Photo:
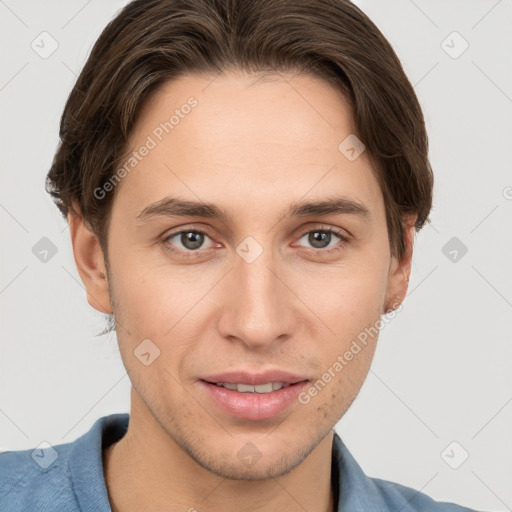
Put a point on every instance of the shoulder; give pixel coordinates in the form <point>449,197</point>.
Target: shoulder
<point>65,477</point>
<point>357,491</point>
<point>412,500</point>
<point>36,479</point>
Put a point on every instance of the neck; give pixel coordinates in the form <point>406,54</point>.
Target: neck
<point>148,470</point>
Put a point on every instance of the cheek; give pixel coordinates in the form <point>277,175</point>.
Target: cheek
<point>348,298</point>
<point>150,299</point>
<point>345,365</point>
<point>350,308</point>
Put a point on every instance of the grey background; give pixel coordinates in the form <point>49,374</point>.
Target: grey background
<point>443,367</point>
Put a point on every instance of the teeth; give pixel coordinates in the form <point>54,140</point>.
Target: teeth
<point>260,388</point>
<point>244,388</point>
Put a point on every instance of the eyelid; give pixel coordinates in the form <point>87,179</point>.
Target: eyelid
<point>306,229</point>
<point>344,234</point>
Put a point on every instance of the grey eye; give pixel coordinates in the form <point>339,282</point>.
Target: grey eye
<point>190,240</point>
<point>319,238</point>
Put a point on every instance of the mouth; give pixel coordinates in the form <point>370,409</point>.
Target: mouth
<point>268,387</point>
<point>253,402</point>
<point>243,378</point>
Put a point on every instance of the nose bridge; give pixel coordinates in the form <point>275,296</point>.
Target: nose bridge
<point>260,306</point>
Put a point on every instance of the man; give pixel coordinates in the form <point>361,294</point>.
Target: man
<point>242,181</point>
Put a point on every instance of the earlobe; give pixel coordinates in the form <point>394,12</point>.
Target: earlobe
<point>90,263</point>
<point>400,269</point>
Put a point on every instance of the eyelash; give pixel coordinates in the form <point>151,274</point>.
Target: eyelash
<point>344,239</point>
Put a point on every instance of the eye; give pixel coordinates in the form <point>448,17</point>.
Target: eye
<point>321,238</point>
<point>187,240</point>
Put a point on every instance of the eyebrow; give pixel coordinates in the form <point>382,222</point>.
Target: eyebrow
<point>176,207</point>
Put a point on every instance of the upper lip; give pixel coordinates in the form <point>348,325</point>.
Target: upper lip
<point>254,379</point>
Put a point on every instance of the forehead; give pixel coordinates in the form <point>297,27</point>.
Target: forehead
<point>238,142</point>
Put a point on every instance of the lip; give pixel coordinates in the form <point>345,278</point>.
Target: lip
<point>253,406</point>
<point>244,377</point>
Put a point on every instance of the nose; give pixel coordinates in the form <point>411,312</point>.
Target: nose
<point>259,308</point>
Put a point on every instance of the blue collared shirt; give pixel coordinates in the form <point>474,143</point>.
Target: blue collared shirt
<point>69,478</point>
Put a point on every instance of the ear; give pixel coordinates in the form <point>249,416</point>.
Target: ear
<point>90,262</point>
<point>400,269</point>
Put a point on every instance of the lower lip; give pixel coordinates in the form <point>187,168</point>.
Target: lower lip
<point>253,406</point>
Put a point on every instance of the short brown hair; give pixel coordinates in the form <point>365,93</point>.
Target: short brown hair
<point>152,41</point>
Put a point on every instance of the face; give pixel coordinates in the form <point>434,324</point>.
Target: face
<point>264,287</point>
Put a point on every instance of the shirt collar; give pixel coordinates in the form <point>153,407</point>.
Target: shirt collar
<point>357,492</point>
<point>85,461</point>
